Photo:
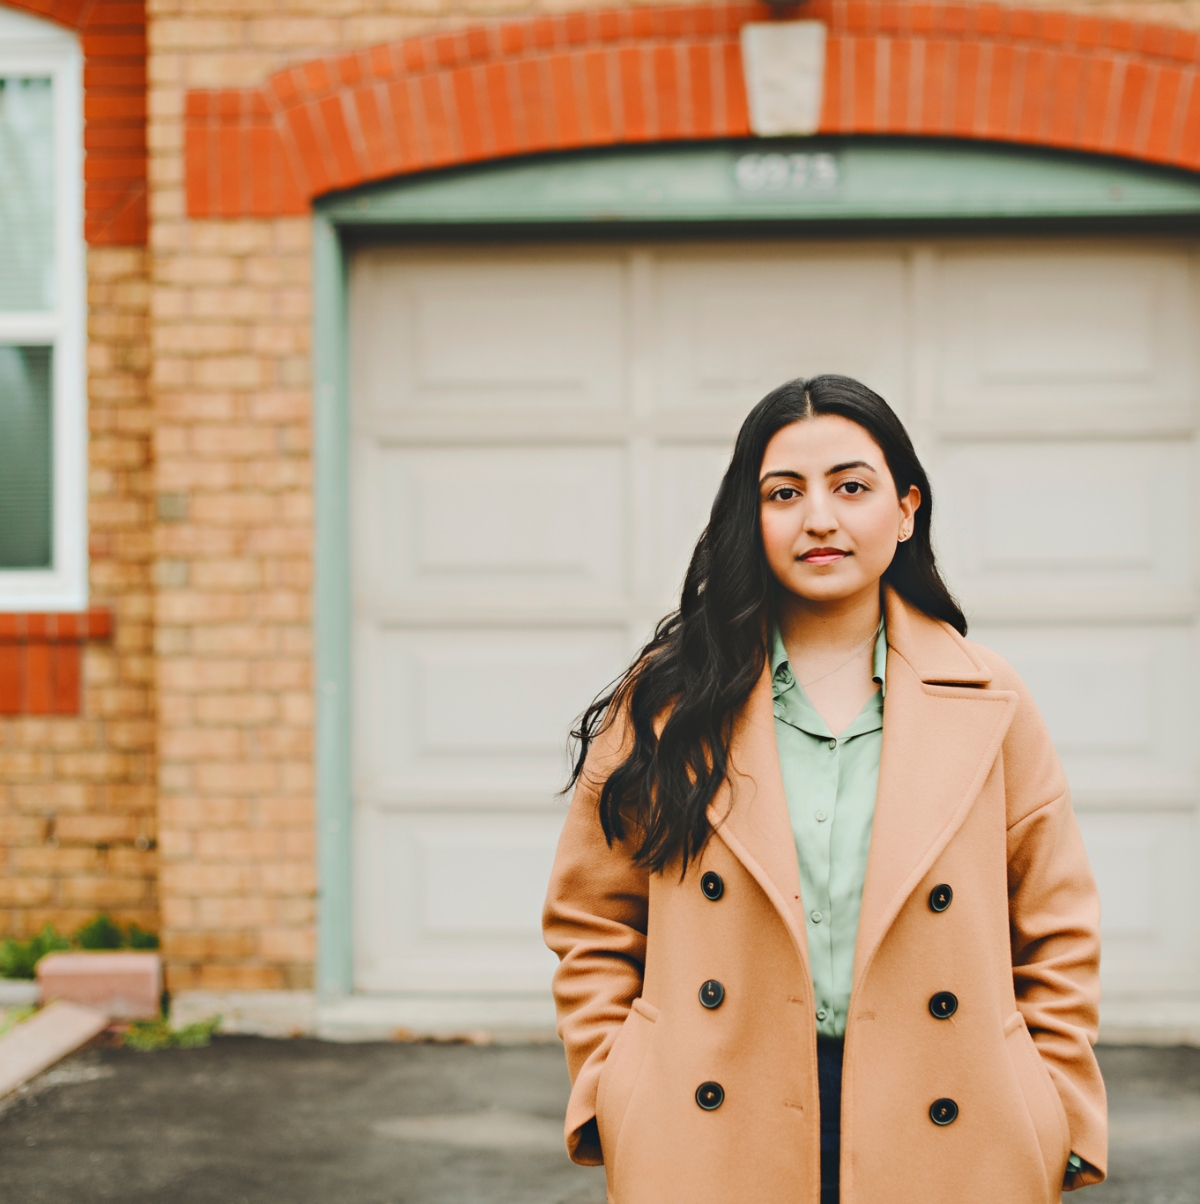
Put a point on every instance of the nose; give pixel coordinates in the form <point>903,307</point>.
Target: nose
<point>819,520</point>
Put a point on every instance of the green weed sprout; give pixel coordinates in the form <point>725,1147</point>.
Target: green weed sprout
<point>146,1036</point>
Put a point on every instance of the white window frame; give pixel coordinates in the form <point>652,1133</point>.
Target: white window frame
<point>30,46</point>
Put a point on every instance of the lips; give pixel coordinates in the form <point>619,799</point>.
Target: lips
<point>818,556</point>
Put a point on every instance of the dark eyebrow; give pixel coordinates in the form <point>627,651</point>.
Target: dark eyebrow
<point>799,476</point>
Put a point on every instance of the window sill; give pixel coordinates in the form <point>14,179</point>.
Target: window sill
<point>41,660</point>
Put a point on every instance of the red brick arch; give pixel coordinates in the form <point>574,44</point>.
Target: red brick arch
<point>601,78</point>
<point>113,38</point>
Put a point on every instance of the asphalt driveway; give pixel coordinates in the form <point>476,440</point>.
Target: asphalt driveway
<point>252,1121</point>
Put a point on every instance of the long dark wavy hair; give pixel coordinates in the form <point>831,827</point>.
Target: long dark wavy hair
<point>705,658</point>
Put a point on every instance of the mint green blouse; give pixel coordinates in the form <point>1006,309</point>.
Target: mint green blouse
<point>830,784</point>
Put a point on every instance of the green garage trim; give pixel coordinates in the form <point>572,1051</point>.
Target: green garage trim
<point>332,613</point>
<point>781,180</point>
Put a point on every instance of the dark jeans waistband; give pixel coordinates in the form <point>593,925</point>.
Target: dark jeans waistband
<point>829,1085</point>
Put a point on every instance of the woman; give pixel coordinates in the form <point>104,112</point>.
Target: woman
<point>821,904</point>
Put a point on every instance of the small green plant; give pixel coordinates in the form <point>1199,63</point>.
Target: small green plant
<point>149,1035</point>
<point>19,959</point>
<point>100,933</point>
<point>139,938</point>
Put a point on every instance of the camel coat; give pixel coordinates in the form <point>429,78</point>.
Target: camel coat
<point>972,795</point>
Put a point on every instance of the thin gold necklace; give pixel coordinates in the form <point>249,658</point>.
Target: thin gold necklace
<point>856,653</point>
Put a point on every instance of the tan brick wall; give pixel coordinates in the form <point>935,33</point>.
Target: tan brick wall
<point>231,345</point>
<point>231,312</point>
<point>77,793</point>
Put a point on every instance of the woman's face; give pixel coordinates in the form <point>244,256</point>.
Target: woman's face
<point>831,518</point>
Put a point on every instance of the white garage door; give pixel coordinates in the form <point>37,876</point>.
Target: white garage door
<point>537,434</point>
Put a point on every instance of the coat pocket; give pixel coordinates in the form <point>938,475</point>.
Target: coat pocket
<point>1042,1100</point>
<point>619,1075</point>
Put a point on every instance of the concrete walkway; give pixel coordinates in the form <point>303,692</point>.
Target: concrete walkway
<point>250,1121</point>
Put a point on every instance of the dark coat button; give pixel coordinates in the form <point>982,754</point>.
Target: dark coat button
<point>943,1005</point>
<point>940,897</point>
<point>712,994</point>
<point>712,886</point>
<point>710,1096</point>
<point>943,1112</point>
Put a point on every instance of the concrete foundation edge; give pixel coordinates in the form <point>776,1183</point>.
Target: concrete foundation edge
<point>527,1018</point>
<point>371,1017</point>
<point>1164,1021</point>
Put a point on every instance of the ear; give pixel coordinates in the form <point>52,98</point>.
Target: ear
<point>909,504</point>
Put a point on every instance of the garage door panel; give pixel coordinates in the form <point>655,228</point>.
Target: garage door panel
<point>686,480</point>
<point>1119,702</point>
<point>499,333</point>
<point>462,712</point>
<point>1069,527</point>
<point>524,526</point>
<point>454,902</point>
<point>734,328</point>
<point>1069,335</point>
<point>1144,864</point>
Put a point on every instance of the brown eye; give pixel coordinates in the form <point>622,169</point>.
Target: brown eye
<point>786,494</point>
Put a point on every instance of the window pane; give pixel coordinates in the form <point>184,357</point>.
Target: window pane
<point>26,468</point>
<point>26,194</point>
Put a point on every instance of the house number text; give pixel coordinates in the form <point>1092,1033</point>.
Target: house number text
<point>811,174</point>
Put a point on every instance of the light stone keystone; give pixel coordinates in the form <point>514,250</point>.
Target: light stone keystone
<point>783,63</point>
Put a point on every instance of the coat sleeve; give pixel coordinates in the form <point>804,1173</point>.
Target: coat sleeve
<point>1054,913</point>
<point>595,920</point>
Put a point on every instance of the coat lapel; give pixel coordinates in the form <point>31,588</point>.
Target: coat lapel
<point>750,814</point>
<point>942,731</point>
